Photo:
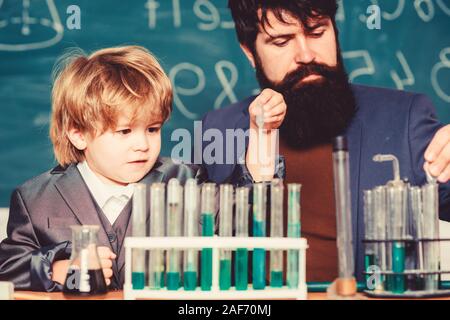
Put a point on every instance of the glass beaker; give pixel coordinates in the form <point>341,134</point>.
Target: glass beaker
<point>85,274</point>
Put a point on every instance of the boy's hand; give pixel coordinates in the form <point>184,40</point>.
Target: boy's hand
<point>106,256</point>
<point>274,109</point>
<point>437,155</point>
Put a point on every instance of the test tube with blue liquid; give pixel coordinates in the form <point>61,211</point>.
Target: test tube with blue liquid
<point>276,231</point>
<point>225,230</point>
<point>157,229</point>
<point>294,231</point>
<point>139,215</point>
<point>191,218</point>
<point>174,228</point>
<point>207,217</point>
<point>369,224</point>
<point>241,261</point>
<point>259,230</point>
<point>380,212</point>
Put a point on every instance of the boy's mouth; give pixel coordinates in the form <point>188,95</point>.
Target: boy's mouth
<point>138,161</point>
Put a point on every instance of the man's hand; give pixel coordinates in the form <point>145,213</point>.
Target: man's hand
<point>437,155</point>
<point>274,109</point>
<point>106,256</point>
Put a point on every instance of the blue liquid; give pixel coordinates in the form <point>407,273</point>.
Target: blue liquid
<point>190,280</point>
<point>225,275</point>
<point>173,280</point>
<point>369,260</point>
<point>398,265</point>
<point>259,258</point>
<point>241,269</point>
<point>206,256</point>
<point>276,279</point>
<point>138,280</point>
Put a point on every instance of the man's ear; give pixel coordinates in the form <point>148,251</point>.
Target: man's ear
<point>248,53</point>
<point>77,138</point>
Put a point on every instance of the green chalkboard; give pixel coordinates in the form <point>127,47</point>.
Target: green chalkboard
<point>196,43</point>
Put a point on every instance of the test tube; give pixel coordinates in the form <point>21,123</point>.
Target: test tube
<point>369,224</point>
<point>397,199</point>
<point>293,232</point>
<point>341,171</point>
<point>191,210</point>
<point>174,219</point>
<point>380,231</point>
<point>259,230</point>
<point>241,262</point>
<point>416,204</point>
<point>431,232</point>
<point>208,209</point>
<point>225,230</point>
<point>139,215</point>
<point>157,229</point>
<point>276,231</point>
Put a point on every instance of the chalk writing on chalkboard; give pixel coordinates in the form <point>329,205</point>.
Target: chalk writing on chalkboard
<point>24,24</point>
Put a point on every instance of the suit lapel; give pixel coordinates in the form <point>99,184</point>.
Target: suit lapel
<point>75,193</point>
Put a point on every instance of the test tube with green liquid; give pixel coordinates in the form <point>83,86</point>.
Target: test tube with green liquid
<point>241,262</point>
<point>157,229</point>
<point>259,230</point>
<point>369,226</point>
<point>191,216</point>
<point>208,209</point>
<point>380,233</point>
<point>293,232</point>
<point>276,231</point>
<point>139,215</point>
<point>225,230</point>
<point>397,200</point>
<point>174,218</point>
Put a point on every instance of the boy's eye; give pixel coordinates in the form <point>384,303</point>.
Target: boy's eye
<point>153,129</point>
<point>317,34</point>
<point>124,131</point>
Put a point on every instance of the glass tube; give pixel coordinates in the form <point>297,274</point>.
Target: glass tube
<point>259,230</point>
<point>157,229</point>
<point>208,209</point>
<point>276,231</point>
<point>225,230</point>
<point>369,224</point>
<point>241,261</point>
<point>294,231</point>
<point>139,216</point>
<point>382,258</point>
<point>191,218</point>
<point>174,228</point>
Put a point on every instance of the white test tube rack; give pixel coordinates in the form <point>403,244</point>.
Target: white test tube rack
<point>216,243</point>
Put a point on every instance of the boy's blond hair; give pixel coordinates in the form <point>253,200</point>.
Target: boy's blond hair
<point>89,93</point>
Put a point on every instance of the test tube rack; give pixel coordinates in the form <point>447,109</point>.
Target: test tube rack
<point>216,243</point>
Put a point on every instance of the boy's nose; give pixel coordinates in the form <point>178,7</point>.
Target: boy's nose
<point>140,143</point>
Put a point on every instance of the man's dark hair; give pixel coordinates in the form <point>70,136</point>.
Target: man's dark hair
<point>245,15</point>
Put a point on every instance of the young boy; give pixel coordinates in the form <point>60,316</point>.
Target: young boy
<point>107,113</point>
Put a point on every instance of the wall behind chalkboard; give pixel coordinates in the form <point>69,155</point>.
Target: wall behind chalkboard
<point>196,43</point>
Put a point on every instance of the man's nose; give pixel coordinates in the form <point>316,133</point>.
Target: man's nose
<point>304,53</point>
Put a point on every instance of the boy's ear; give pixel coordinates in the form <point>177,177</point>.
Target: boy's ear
<point>77,138</point>
<point>248,53</point>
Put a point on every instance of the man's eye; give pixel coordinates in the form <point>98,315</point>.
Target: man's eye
<point>317,34</point>
<point>124,131</point>
<point>281,43</point>
<point>153,129</point>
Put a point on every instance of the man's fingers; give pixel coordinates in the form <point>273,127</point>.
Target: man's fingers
<point>278,110</point>
<point>108,273</point>
<point>106,253</point>
<point>106,263</point>
<point>108,282</point>
<point>440,140</point>
<point>441,162</point>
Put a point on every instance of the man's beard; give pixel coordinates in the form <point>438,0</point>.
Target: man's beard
<point>317,110</point>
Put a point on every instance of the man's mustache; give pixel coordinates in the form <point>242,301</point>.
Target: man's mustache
<point>292,79</point>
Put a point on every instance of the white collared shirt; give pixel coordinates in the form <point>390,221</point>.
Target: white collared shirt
<point>111,198</point>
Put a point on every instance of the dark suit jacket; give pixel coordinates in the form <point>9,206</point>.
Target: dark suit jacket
<point>43,209</point>
<point>387,122</point>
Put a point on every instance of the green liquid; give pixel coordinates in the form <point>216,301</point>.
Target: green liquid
<point>294,230</point>
<point>158,277</point>
<point>241,269</point>
<point>206,256</point>
<point>292,275</point>
<point>173,280</point>
<point>190,280</point>
<point>369,260</point>
<point>225,275</point>
<point>276,279</point>
<point>398,265</point>
<point>259,258</point>
<point>138,280</point>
